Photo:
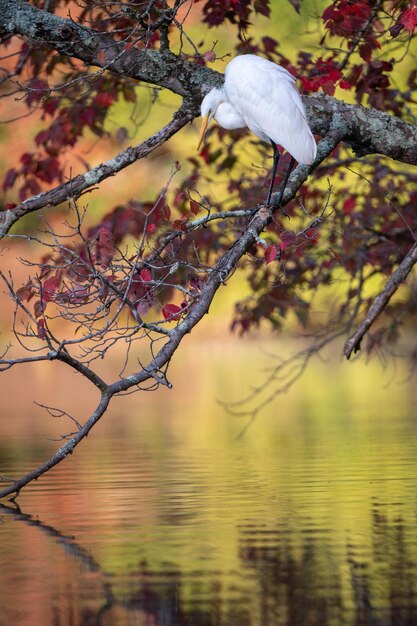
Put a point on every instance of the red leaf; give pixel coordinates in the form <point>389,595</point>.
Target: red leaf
<point>50,286</point>
<point>344,84</point>
<point>328,13</point>
<point>38,308</point>
<point>287,238</point>
<point>270,253</point>
<point>210,56</point>
<point>26,159</point>
<point>194,207</point>
<point>146,275</point>
<point>180,224</point>
<point>396,28</point>
<point>144,306</point>
<point>309,85</point>
<point>160,211</point>
<point>328,88</point>
<point>37,89</point>
<point>88,116</point>
<point>348,205</point>
<point>9,178</point>
<point>41,331</point>
<point>171,312</point>
<point>105,247</point>
<point>270,45</point>
<point>205,155</point>
<point>151,228</point>
<point>375,42</point>
<point>78,293</point>
<point>26,292</point>
<point>409,18</point>
<point>30,188</point>
<point>104,99</point>
<point>365,50</point>
<point>50,106</point>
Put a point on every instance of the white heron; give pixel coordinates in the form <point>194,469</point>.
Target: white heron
<point>262,96</point>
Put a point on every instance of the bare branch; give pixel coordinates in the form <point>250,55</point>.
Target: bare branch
<point>155,370</point>
<point>76,186</point>
<point>397,278</point>
<point>66,449</point>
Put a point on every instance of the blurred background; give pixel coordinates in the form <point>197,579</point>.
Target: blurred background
<point>178,508</point>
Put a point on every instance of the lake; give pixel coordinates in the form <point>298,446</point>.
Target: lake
<point>165,516</point>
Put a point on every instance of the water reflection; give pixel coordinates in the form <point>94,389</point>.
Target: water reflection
<point>282,580</point>
<point>168,519</point>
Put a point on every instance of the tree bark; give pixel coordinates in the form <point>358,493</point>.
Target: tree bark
<point>369,130</point>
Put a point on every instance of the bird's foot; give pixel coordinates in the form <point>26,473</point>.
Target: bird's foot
<point>271,206</point>
<point>262,210</point>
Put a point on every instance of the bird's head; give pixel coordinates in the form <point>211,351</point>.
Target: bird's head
<point>209,107</point>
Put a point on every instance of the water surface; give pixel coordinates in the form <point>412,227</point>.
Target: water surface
<point>165,517</point>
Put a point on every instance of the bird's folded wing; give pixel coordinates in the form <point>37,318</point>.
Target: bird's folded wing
<point>271,106</point>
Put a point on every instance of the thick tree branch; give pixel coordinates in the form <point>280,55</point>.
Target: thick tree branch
<point>396,279</point>
<point>369,131</point>
<point>102,50</point>
<point>76,186</point>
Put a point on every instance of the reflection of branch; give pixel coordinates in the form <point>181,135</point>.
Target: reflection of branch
<point>396,279</point>
<point>75,187</point>
<point>79,553</point>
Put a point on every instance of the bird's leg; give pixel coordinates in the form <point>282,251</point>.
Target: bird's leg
<point>284,184</point>
<point>274,171</point>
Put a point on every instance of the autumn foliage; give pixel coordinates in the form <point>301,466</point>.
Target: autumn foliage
<point>368,228</point>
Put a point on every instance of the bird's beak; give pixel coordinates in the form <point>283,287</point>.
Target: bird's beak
<point>203,130</point>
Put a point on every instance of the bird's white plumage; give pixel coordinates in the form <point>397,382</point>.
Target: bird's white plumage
<point>228,117</point>
<point>262,96</point>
